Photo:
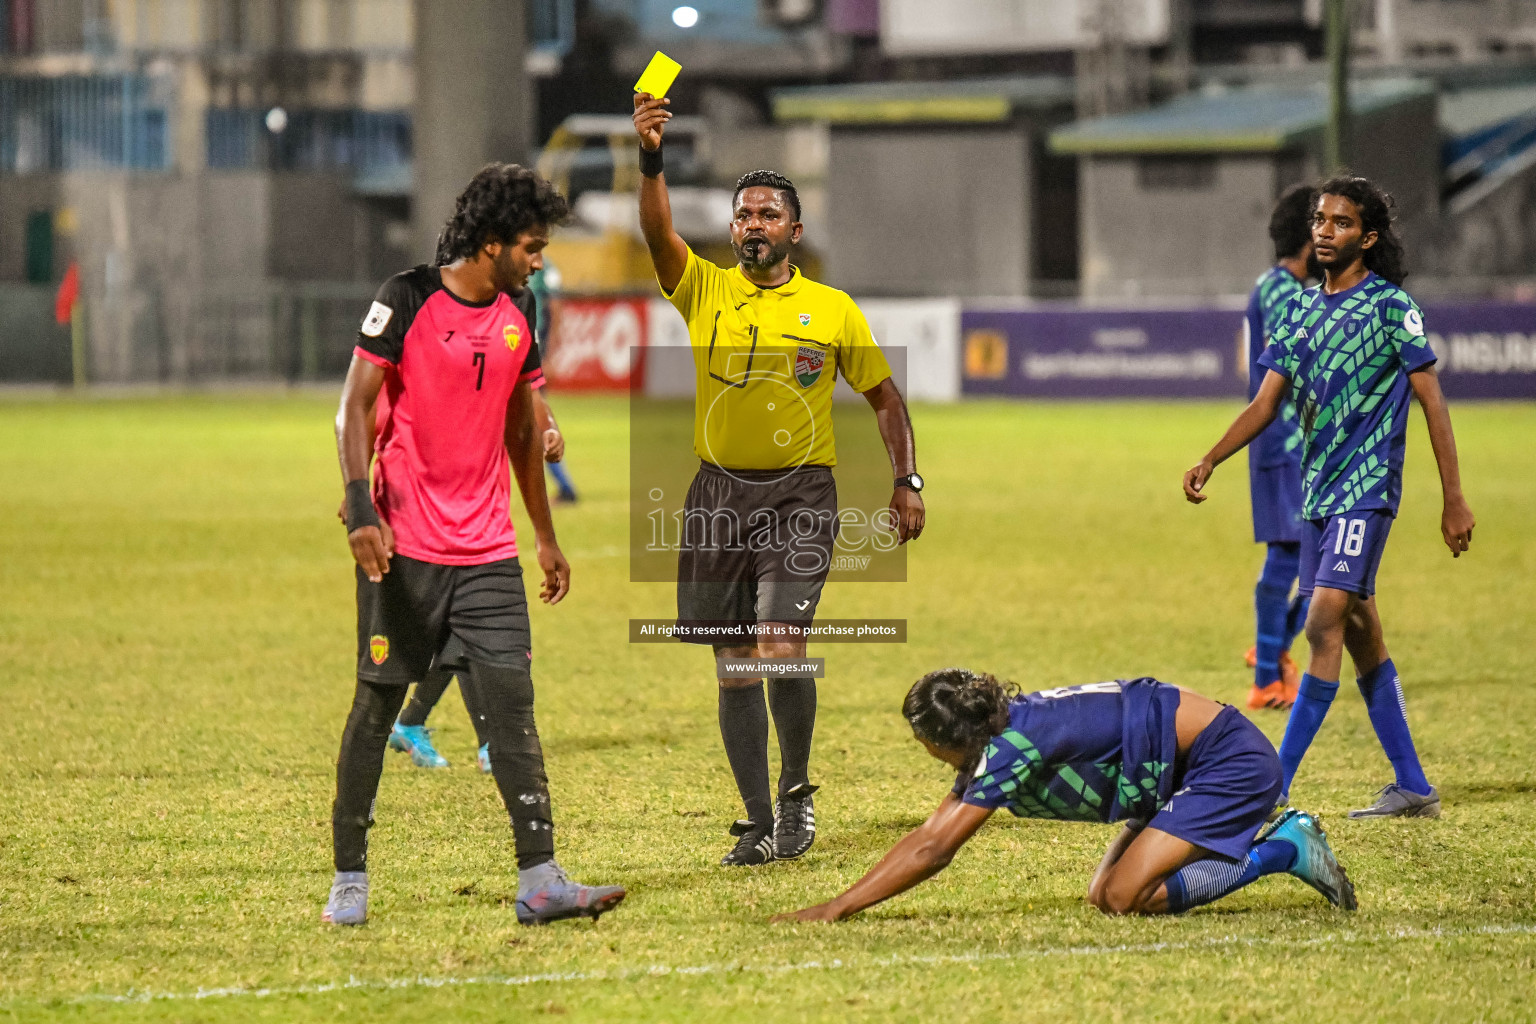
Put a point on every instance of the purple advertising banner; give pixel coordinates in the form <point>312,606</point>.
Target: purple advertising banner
<point>1487,350</point>
<point>1072,352</point>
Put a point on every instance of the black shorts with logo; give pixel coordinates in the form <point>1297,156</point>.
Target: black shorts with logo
<point>421,609</point>
<point>756,547</point>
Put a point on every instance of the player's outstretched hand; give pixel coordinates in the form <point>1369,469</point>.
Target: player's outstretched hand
<point>810,915</point>
<point>373,547</point>
<point>651,114</point>
<point>1456,522</point>
<point>554,445</point>
<point>1194,482</point>
<point>907,514</point>
<point>557,573</point>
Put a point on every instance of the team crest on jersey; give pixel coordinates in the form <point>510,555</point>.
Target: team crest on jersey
<point>513,335</point>
<point>378,648</point>
<point>376,320</point>
<point>808,364</point>
<point>805,319</point>
<point>1414,323</point>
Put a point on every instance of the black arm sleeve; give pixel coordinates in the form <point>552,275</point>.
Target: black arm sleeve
<point>529,308</point>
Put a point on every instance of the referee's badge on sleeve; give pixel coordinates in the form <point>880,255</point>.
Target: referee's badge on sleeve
<point>376,320</point>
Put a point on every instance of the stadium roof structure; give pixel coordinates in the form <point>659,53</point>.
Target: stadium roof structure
<point>968,101</point>
<point>1255,119</point>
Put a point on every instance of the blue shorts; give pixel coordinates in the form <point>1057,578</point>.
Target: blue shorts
<point>1276,495</point>
<point>1343,552</point>
<point>1231,782</point>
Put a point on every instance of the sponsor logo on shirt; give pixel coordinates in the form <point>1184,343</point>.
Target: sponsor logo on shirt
<point>376,320</point>
<point>1341,567</point>
<point>808,364</point>
<point>513,335</point>
<point>378,648</point>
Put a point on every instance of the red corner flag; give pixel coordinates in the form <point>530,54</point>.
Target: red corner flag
<point>69,291</point>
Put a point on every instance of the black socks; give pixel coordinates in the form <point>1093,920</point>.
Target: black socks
<point>505,713</point>
<point>744,728</point>
<point>793,703</point>
<point>358,768</point>
<point>472,705</point>
<point>517,759</point>
<point>428,692</point>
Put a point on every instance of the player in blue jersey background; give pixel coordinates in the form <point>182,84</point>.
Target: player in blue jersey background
<point>1274,463</point>
<point>1350,352</point>
<point>1192,779</point>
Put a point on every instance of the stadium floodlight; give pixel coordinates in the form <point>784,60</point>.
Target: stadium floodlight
<point>277,120</point>
<point>685,17</point>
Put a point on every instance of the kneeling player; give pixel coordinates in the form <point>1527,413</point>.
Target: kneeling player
<point>1192,779</point>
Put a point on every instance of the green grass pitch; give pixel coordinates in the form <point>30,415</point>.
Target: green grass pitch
<point>176,631</point>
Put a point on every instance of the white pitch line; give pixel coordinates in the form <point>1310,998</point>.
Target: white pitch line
<point>1391,935</point>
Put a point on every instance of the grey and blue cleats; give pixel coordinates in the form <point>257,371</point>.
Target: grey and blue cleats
<point>1394,801</point>
<point>546,893</point>
<point>1315,863</point>
<point>416,740</point>
<point>349,899</point>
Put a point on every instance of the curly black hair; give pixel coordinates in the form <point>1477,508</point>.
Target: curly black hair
<point>957,709</point>
<point>1386,258</point>
<point>499,203</point>
<point>1290,225</point>
<point>768,179</point>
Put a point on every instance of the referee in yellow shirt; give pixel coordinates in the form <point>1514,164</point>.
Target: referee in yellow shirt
<point>767,348</point>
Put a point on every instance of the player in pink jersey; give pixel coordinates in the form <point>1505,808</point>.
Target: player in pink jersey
<point>455,360</point>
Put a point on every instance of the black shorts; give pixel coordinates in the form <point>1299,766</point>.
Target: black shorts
<point>421,608</point>
<point>756,547</point>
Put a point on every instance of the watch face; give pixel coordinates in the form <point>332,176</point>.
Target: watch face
<point>917,482</point>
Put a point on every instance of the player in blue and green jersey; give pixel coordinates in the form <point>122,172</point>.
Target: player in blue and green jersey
<point>1274,464</point>
<point>1191,779</point>
<point>1351,352</point>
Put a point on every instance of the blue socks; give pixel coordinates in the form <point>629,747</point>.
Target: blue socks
<point>562,478</point>
<point>1296,618</point>
<point>1274,612</point>
<point>1312,700</point>
<point>1383,693</point>
<point>1205,881</point>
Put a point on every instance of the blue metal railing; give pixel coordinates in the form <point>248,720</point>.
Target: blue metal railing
<point>83,122</point>
<point>364,141</point>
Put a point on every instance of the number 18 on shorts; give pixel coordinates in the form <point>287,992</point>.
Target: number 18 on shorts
<point>1344,551</point>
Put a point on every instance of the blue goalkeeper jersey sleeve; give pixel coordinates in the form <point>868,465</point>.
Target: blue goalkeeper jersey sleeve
<point>1101,752</point>
<point>1280,443</point>
<point>1348,357</point>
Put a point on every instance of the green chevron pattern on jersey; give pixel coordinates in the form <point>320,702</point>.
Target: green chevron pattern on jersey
<point>1277,287</point>
<point>1348,357</point>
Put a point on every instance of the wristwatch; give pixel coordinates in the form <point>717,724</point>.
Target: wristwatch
<point>911,480</point>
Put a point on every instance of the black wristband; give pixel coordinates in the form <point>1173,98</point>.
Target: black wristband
<point>650,162</point>
<point>360,510</point>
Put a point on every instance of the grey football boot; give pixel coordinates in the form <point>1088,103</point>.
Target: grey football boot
<point>1396,802</point>
<point>349,899</point>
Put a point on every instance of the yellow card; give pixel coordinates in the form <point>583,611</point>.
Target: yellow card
<point>659,75</point>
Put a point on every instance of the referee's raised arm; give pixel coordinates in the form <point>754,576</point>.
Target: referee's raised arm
<point>669,253</point>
